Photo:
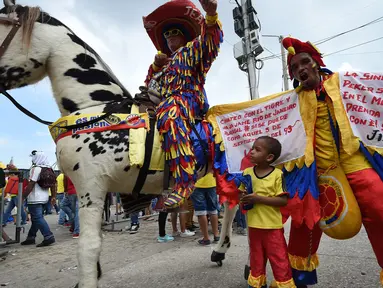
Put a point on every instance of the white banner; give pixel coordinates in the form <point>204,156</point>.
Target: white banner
<point>362,95</point>
<point>279,118</point>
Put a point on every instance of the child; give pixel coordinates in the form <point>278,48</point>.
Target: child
<point>265,227</point>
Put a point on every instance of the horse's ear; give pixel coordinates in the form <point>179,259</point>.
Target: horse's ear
<point>9,3</point>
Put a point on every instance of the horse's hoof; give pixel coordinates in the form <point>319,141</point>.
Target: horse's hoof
<point>217,257</point>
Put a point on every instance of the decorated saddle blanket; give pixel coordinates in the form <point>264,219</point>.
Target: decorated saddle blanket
<point>138,126</point>
<point>136,123</point>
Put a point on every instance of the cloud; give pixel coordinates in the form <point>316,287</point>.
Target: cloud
<point>3,141</point>
<point>42,134</point>
<point>347,67</point>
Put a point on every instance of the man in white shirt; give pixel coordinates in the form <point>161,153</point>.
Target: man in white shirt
<point>37,198</point>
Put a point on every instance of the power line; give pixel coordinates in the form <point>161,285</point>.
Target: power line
<point>349,31</point>
<point>345,49</point>
<point>359,53</point>
<point>332,53</point>
<point>319,42</point>
<point>272,53</point>
<point>241,51</point>
<point>347,15</point>
<point>280,56</point>
<point>231,44</point>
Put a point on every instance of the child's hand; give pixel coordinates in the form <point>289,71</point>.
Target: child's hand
<point>242,194</point>
<point>250,199</point>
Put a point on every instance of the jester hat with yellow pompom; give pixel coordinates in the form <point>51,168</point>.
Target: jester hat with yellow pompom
<point>295,46</point>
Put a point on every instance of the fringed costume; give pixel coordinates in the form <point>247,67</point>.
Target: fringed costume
<point>337,154</point>
<point>335,187</point>
<point>181,85</point>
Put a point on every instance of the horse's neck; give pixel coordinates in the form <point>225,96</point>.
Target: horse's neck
<point>78,80</point>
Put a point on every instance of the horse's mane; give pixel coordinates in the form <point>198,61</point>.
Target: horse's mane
<point>30,15</point>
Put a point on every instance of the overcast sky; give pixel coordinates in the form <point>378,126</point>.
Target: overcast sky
<point>114,29</point>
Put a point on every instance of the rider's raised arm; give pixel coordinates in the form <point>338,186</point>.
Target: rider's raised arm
<point>204,49</point>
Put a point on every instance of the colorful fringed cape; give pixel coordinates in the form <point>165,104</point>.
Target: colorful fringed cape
<point>182,88</point>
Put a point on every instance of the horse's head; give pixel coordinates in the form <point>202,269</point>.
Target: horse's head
<point>45,46</point>
<point>23,56</point>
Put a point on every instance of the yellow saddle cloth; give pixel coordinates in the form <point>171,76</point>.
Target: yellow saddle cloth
<point>137,124</point>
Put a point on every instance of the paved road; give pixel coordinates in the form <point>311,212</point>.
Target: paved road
<point>138,261</point>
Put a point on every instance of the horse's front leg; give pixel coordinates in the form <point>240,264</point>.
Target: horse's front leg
<point>89,247</point>
<point>224,243</point>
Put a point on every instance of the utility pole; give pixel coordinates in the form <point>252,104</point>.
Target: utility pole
<point>284,65</point>
<point>285,72</point>
<point>246,51</point>
<point>250,58</point>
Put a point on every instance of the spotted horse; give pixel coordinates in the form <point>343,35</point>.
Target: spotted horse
<point>96,162</point>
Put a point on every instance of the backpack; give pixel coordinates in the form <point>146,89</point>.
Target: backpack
<point>47,178</point>
<point>12,186</point>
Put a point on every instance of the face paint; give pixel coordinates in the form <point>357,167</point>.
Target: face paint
<point>304,69</point>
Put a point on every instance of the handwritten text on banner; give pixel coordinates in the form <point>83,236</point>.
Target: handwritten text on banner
<point>362,95</point>
<point>279,118</point>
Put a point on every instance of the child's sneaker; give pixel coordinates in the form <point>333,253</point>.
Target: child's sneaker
<point>187,233</point>
<point>192,228</point>
<point>166,238</point>
<point>216,239</point>
<point>176,233</point>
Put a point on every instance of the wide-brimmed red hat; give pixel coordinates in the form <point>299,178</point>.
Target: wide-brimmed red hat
<point>295,46</point>
<point>175,14</point>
